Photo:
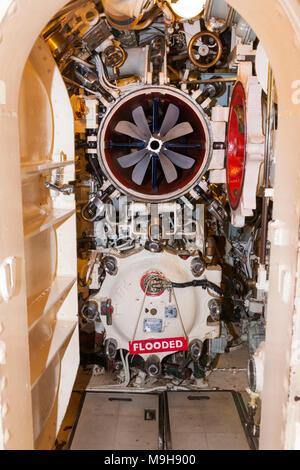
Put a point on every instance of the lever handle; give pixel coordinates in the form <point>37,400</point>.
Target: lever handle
<point>65,189</point>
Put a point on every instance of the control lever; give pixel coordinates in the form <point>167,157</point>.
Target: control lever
<point>65,189</point>
<point>213,205</point>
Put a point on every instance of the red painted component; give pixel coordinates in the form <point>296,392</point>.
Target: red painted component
<point>236,146</point>
<point>143,284</point>
<point>150,346</point>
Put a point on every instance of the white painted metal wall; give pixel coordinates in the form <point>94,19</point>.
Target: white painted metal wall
<point>38,302</point>
<point>268,18</point>
<point>277,23</point>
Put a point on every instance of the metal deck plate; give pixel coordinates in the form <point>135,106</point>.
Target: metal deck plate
<point>117,421</point>
<point>205,421</point>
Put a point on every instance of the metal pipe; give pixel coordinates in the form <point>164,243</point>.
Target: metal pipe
<point>208,14</point>
<point>129,15</point>
<point>148,21</point>
<point>210,80</point>
<point>117,253</point>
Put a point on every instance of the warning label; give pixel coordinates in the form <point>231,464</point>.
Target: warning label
<point>150,346</point>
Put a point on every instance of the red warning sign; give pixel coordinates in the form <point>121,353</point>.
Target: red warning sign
<point>150,346</point>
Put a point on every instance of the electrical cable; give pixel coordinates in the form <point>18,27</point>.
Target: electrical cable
<point>205,284</point>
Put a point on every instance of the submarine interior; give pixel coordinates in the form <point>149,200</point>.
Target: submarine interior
<point>149,215</point>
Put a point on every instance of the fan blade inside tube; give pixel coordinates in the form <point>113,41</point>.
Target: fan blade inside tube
<point>132,158</point>
<point>170,119</point>
<point>140,169</point>
<point>140,120</point>
<point>182,161</point>
<point>180,130</point>
<point>169,169</point>
<point>131,130</point>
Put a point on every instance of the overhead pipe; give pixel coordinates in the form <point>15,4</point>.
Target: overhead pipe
<point>130,14</point>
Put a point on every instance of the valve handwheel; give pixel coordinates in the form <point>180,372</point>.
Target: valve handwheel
<point>205,50</point>
<point>236,146</point>
<point>114,56</point>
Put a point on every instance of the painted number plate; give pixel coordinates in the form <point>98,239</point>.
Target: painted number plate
<point>151,346</point>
